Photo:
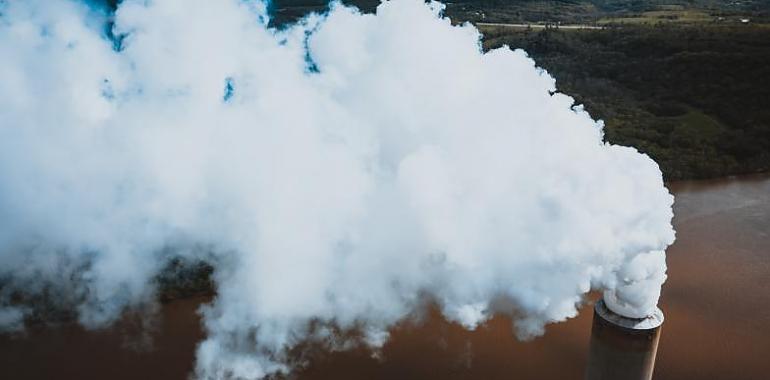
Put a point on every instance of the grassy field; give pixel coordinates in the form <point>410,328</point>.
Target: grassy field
<point>667,16</point>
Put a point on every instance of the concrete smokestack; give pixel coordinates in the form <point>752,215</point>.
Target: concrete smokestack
<point>622,348</point>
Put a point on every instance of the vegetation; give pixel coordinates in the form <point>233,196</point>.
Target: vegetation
<point>692,97</point>
<point>682,80</point>
<point>180,278</point>
<point>606,11</point>
<point>285,11</point>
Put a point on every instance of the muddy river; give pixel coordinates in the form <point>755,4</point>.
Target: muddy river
<point>716,301</point>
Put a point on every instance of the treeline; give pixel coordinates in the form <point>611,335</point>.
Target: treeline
<point>565,11</point>
<point>590,11</point>
<point>695,98</point>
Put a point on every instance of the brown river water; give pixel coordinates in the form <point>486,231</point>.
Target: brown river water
<point>716,301</point>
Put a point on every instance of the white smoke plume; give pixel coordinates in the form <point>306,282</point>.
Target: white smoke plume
<point>337,173</point>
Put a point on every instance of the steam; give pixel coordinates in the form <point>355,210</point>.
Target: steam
<point>337,174</point>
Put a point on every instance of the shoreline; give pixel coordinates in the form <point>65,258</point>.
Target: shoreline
<point>749,177</point>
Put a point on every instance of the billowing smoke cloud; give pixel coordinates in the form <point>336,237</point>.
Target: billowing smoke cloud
<point>336,173</point>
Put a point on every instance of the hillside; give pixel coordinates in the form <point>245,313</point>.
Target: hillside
<point>689,96</point>
<point>676,79</point>
<point>680,80</point>
<point>564,11</point>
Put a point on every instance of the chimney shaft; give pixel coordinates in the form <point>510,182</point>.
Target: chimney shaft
<point>622,348</point>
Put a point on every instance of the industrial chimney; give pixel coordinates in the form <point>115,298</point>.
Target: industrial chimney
<point>622,348</point>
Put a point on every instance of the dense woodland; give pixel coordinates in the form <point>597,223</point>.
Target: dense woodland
<point>566,11</point>
<point>590,11</point>
<point>695,98</point>
<point>682,80</point>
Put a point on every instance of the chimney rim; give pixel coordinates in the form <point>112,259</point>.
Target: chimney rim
<point>649,322</point>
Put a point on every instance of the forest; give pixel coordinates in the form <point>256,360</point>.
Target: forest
<point>694,98</point>
<point>684,81</point>
<point>681,80</point>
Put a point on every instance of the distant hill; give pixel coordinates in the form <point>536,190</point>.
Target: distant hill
<point>565,11</point>
<point>570,11</point>
<point>676,79</point>
<point>586,11</point>
<point>680,80</point>
<point>690,95</point>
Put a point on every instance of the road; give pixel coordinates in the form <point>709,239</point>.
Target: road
<point>540,26</point>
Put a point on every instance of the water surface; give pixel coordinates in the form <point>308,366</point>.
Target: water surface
<point>716,301</point>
